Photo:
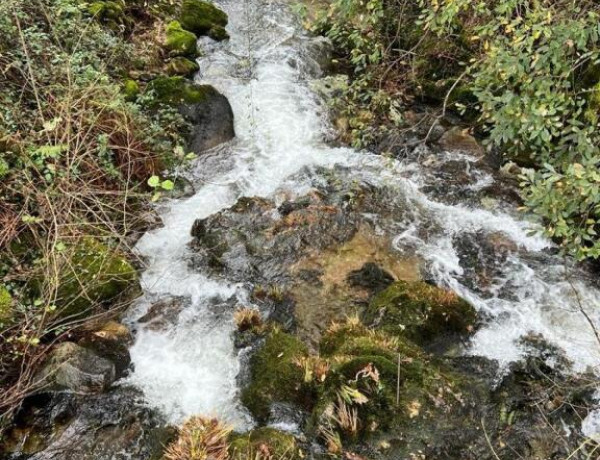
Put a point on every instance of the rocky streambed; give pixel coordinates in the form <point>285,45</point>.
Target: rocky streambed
<point>324,301</point>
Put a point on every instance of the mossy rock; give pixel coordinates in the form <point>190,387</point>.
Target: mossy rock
<point>110,13</point>
<point>203,18</point>
<point>394,375</point>
<point>275,375</point>
<point>269,442</point>
<point>131,89</point>
<point>92,273</point>
<point>180,42</point>
<point>6,308</point>
<point>178,90</point>
<point>182,66</point>
<point>421,312</point>
<point>107,10</point>
<point>218,33</point>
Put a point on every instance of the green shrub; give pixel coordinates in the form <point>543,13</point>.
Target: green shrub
<point>526,72</point>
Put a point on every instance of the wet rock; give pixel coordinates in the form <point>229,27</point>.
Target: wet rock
<point>114,425</point>
<point>111,341</point>
<point>460,140</point>
<point>211,117</point>
<point>424,313</point>
<point>305,249</point>
<point>182,188</point>
<point>182,66</point>
<point>163,313</point>
<point>370,276</point>
<point>74,368</point>
<point>484,258</point>
<point>319,51</point>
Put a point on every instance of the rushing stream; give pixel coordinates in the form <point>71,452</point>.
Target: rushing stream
<point>281,127</point>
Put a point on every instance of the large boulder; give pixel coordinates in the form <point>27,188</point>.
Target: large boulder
<point>107,426</point>
<point>211,119</point>
<point>207,110</point>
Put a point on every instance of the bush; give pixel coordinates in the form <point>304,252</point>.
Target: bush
<point>529,70</point>
<point>75,155</point>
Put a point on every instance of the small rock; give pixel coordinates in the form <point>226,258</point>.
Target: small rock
<point>460,140</point>
<point>111,341</point>
<point>72,367</point>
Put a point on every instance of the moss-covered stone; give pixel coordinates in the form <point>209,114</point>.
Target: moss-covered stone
<point>420,311</point>
<point>131,89</point>
<point>111,13</point>
<point>203,18</point>
<point>381,386</point>
<point>180,42</point>
<point>276,375</point>
<point>106,10</point>
<point>218,33</point>
<point>182,66</point>
<point>6,310</point>
<point>92,273</point>
<point>178,90</point>
<point>263,442</point>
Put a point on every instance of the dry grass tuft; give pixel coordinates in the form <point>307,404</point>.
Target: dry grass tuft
<point>200,439</point>
<point>247,319</point>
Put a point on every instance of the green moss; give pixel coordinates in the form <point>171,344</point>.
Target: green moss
<point>6,311</point>
<point>268,441</point>
<point>182,66</point>
<point>110,13</point>
<point>201,17</point>
<point>180,42</point>
<point>218,33</point>
<point>106,10</point>
<point>276,377</point>
<point>177,90</point>
<point>92,273</point>
<point>420,312</point>
<point>131,88</point>
<point>394,375</point>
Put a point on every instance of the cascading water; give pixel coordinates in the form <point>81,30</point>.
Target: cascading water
<point>191,367</point>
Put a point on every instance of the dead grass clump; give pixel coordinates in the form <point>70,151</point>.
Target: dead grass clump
<point>200,439</point>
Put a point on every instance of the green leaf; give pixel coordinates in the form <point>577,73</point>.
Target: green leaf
<point>154,181</point>
<point>167,185</point>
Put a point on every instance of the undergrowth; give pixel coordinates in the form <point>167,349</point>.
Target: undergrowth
<point>77,147</point>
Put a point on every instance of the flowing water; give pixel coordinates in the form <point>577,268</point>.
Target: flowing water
<point>281,126</point>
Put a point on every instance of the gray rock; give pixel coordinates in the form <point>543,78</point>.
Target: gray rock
<point>211,119</point>
<point>74,368</point>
